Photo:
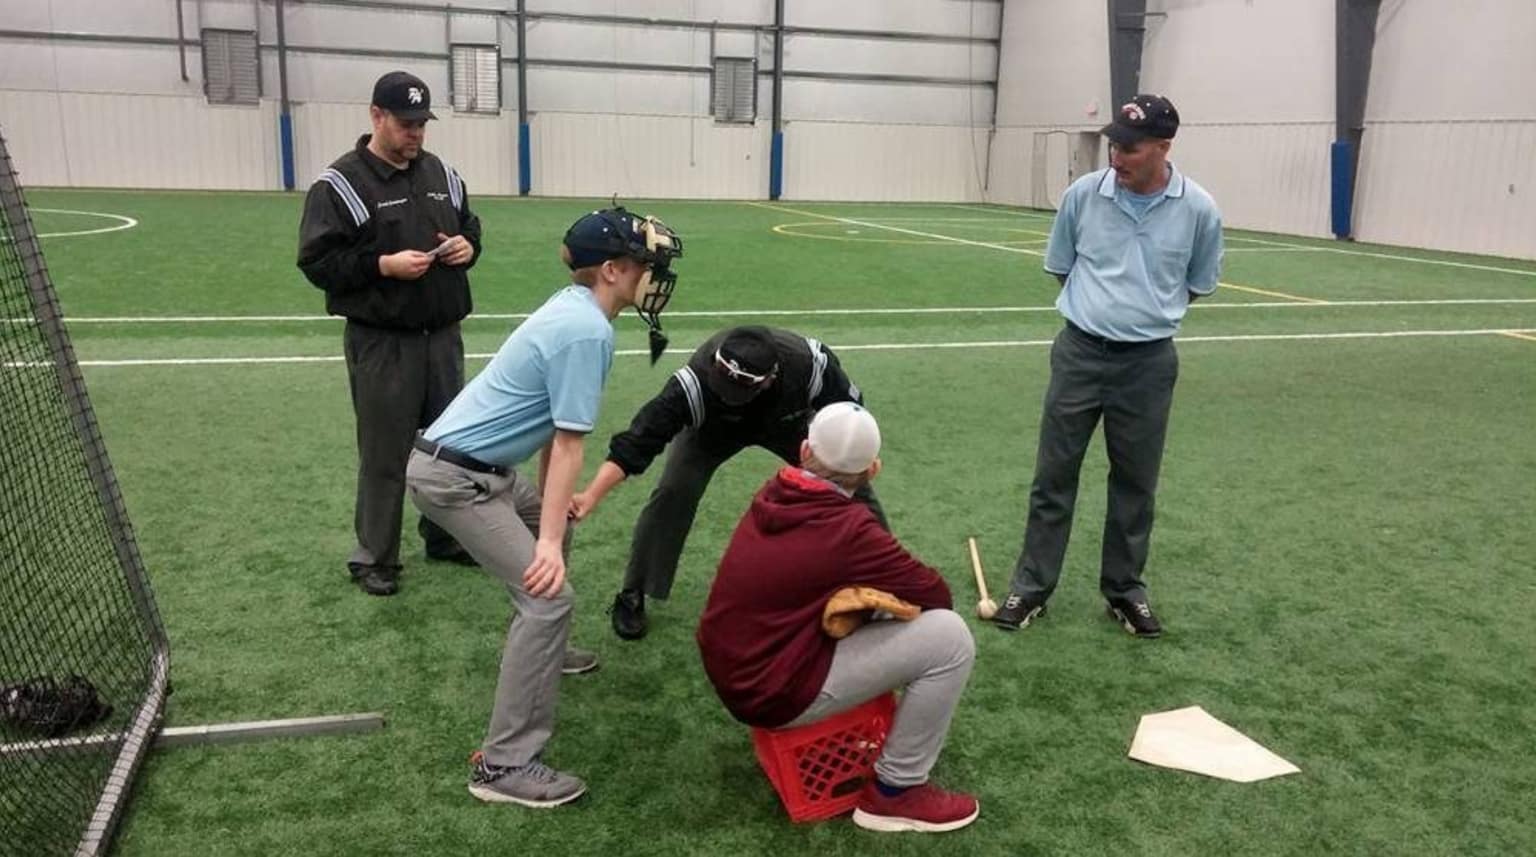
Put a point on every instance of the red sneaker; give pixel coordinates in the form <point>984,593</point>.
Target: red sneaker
<point>925,808</point>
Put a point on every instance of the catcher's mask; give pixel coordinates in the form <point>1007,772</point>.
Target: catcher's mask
<point>746,363</point>
<point>613,233</point>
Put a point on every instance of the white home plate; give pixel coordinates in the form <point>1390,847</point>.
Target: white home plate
<point>1190,739</point>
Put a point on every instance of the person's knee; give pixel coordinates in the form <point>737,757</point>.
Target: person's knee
<point>950,636</point>
<point>553,610</point>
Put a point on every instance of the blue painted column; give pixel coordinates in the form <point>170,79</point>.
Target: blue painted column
<point>776,166</point>
<point>524,160</point>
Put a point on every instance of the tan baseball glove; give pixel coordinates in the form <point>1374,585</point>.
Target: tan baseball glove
<point>852,606</point>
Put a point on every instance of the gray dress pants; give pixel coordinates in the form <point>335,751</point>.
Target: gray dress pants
<point>929,659</point>
<point>1129,386</point>
<point>401,381</point>
<point>496,519</point>
<point>663,526</point>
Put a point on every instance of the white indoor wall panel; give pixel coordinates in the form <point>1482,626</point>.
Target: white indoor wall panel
<point>1465,186</point>
<point>130,17</point>
<point>1467,60</point>
<point>352,27</point>
<point>1055,65</point>
<point>581,40</point>
<point>97,67</point>
<point>334,79</point>
<point>880,163</point>
<point>948,18</point>
<point>482,148</point>
<point>34,134</point>
<point>580,90</point>
<point>156,141</point>
<point>1272,178</point>
<point>808,52</point>
<point>1261,61</point>
<point>884,103</point>
<point>733,11</point>
<point>1008,167</point>
<point>596,155</point>
<point>484,29</point>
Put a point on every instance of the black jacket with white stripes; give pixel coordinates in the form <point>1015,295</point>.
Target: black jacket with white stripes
<point>361,208</point>
<point>810,378</point>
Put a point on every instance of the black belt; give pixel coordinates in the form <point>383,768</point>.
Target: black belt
<point>1113,344</point>
<point>468,462</point>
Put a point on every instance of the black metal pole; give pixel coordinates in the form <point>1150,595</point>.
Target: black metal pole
<point>776,146</point>
<point>524,135</point>
<point>181,41</point>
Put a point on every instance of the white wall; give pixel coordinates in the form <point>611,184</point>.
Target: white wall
<point>1448,157</point>
<point>1054,77</point>
<point>1254,84</point>
<point>1449,153</point>
<point>594,131</point>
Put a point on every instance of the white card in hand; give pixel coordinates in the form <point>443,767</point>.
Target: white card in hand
<point>440,249</point>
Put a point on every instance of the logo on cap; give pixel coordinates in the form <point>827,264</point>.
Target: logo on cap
<point>414,94</point>
<point>1134,112</point>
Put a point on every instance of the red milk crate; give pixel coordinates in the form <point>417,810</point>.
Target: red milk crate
<point>818,769</point>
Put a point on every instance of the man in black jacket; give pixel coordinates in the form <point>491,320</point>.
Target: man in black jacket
<point>388,235</point>
<point>745,386</point>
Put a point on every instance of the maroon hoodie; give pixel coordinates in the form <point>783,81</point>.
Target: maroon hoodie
<point>801,541</point>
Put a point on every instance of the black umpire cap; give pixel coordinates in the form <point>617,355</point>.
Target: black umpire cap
<point>745,364</point>
<point>1143,117</point>
<point>405,95</point>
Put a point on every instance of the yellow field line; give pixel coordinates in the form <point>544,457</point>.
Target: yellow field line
<point>1514,335</point>
<point>1266,292</point>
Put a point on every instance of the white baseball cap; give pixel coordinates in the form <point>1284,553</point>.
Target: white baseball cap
<point>845,437</point>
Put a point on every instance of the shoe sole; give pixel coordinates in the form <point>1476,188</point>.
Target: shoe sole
<point>897,824</point>
<point>1023,623</point>
<point>490,795</point>
<point>579,670</point>
<point>1130,628</point>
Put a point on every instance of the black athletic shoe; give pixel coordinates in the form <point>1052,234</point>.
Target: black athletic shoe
<point>628,612</point>
<point>375,579</point>
<point>1135,617</point>
<point>1017,612</point>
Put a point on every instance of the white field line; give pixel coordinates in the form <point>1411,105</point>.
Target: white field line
<point>1284,245</point>
<point>1004,211</point>
<point>123,222</point>
<point>887,346</point>
<point>1297,249</point>
<point>787,313</point>
<point>1443,262</point>
<point>871,225</point>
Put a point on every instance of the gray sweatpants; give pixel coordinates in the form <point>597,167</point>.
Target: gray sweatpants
<point>1129,387</point>
<point>930,657</point>
<point>496,519</point>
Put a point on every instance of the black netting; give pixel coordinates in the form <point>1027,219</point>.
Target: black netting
<point>82,651</point>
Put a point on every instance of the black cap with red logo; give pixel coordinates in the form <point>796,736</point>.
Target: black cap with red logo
<point>1142,117</point>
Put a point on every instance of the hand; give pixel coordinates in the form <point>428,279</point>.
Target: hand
<point>405,265</point>
<point>544,577</point>
<point>582,505</point>
<point>459,252</point>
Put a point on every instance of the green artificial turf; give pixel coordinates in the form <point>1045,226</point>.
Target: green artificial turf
<point>1342,555</point>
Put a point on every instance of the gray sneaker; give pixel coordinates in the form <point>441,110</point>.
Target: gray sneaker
<point>578,661</point>
<point>534,784</point>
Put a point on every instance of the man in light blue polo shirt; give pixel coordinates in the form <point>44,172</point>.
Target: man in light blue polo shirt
<point>1132,245</point>
<point>539,394</point>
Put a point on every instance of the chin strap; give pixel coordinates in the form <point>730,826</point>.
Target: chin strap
<point>658,344</point>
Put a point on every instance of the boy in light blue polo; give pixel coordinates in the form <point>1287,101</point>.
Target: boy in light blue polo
<point>539,394</point>
<point>1132,245</point>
